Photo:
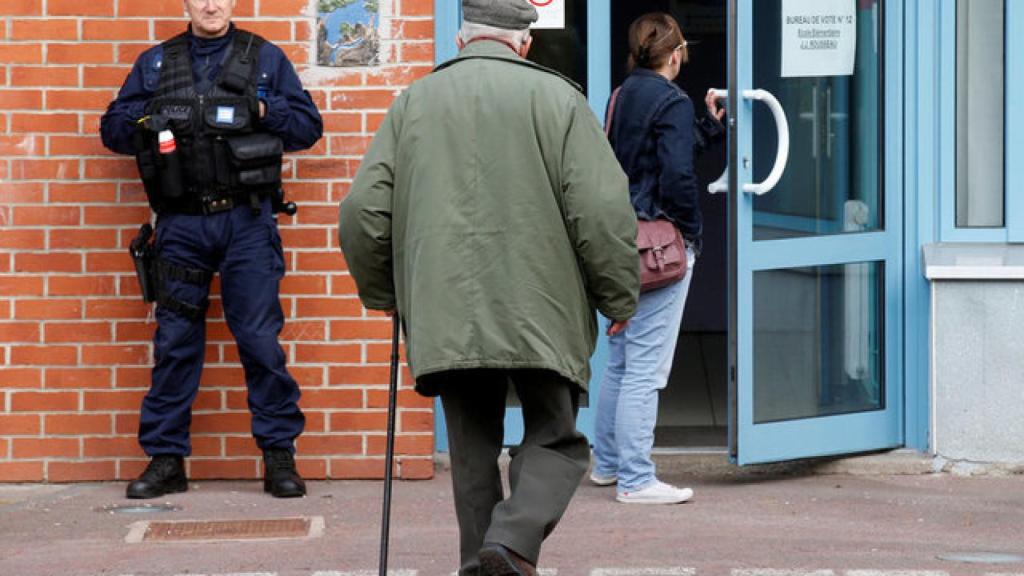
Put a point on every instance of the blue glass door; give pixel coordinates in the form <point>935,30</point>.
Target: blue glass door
<point>581,51</point>
<point>815,229</point>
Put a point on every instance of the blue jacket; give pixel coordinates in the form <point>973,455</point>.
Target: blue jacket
<point>655,136</point>
<point>291,114</point>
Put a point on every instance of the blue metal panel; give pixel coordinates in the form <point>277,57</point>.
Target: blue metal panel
<point>922,217</point>
<point>440,428</point>
<point>895,74</point>
<point>943,83</point>
<point>820,251</point>
<point>1014,120</point>
<point>599,54</point>
<point>827,435</point>
<point>743,237</point>
<point>447,15</point>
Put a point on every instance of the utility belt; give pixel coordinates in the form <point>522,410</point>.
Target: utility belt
<point>208,204</point>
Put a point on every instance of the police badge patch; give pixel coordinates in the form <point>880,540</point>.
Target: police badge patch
<point>225,115</point>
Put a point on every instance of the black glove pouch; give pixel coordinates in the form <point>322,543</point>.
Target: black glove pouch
<point>256,160</point>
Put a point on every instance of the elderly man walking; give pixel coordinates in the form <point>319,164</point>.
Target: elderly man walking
<point>490,213</point>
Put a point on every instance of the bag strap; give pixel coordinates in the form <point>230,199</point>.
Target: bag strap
<point>610,115</point>
<point>611,112</point>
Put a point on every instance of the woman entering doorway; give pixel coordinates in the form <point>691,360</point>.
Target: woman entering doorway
<point>653,130</point>
<point>692,409</point>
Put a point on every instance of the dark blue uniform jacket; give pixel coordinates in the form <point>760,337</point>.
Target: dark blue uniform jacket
<point>291,114</point>
<point>655,137</point>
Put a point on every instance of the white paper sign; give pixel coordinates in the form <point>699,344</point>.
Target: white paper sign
<point>819,37</point>
<point>552,14</point>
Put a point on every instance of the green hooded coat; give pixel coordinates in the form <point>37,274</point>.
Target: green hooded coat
<point>492,213</point>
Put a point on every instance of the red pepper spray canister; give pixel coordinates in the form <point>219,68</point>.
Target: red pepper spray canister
<point>170,169</point>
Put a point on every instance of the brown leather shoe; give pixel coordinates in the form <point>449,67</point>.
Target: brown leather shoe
<point>496,560</point>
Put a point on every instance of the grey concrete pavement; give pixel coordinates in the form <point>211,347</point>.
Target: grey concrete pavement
<point>740,523</point>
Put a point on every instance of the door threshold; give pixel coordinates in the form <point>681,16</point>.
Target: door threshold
<point>674,450</point>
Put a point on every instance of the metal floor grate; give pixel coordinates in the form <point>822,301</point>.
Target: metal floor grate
<point>227,530</point>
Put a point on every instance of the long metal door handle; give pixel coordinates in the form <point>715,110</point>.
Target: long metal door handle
<point>782,154</point>
<point>722,184</point>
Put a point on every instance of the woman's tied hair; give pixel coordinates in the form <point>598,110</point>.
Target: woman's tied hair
<point>643,56</point>
<point>652,39</point>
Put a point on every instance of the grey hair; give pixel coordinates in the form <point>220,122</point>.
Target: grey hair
<point>471,30</point>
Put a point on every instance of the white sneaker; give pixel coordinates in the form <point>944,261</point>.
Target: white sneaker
<point>657,493</point>
<point>602,479</point>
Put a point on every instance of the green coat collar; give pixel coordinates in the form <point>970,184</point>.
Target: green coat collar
<point>494,50</point>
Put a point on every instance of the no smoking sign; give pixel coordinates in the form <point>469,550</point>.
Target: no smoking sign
<point>551,12</point>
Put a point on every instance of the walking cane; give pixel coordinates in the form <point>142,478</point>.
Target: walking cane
<point>390,453</point>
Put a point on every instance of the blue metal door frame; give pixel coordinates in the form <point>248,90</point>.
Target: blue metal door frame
<point>929,51</point>
<point>920,133</point>
<point>906,418</point>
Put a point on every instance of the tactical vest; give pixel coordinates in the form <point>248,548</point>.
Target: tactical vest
<point>224,156</point>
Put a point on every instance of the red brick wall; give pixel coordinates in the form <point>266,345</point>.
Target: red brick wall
<point>75,338</point>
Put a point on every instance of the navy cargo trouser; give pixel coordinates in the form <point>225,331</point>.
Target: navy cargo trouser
<point>245,249</point>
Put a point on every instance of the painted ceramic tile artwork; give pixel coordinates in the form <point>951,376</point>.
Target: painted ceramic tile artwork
<point>347,32</point>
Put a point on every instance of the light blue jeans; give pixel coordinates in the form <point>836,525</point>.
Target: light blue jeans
<point>639,362</point>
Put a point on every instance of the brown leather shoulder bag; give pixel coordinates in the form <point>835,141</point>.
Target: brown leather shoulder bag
<point>660,245</point>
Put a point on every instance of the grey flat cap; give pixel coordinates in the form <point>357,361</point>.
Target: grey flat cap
<point>507,14</point>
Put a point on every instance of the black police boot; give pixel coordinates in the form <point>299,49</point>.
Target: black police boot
<point>164,475</point>
<point>280,477</point>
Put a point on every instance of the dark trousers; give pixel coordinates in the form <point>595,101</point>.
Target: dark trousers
<point>246,250</point>
<point>545,469</point>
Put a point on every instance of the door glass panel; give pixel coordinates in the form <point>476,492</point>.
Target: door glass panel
<point>565,50</point>
<point>979,113</point>
<point>818,341</point>
<point>832,182</point>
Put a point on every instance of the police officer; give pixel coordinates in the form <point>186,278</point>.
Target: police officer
<point>208,114</point>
